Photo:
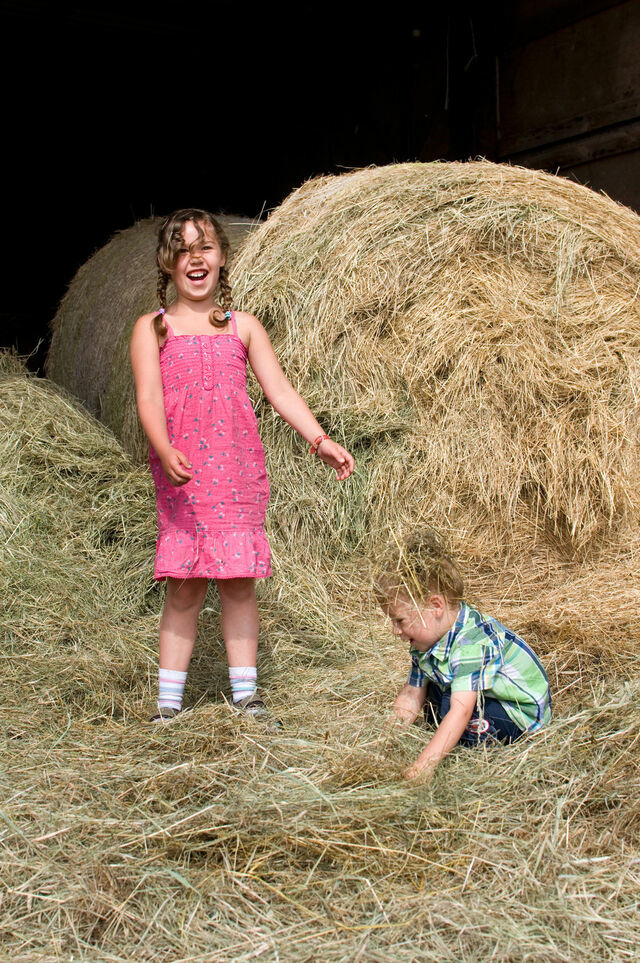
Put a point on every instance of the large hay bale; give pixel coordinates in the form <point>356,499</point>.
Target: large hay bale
<point>89,353</point>
<point>472,331</point>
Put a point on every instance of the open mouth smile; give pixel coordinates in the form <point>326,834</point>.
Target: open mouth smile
<point>197,275</point>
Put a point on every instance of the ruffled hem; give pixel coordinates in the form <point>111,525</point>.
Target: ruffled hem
<point>239,553</point>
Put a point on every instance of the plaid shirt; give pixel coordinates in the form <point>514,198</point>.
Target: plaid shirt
<point>478,654</point>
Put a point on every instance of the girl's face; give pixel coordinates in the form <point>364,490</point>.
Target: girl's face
<point>196,271</point>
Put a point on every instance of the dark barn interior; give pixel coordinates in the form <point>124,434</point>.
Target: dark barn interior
<point>117,111</point>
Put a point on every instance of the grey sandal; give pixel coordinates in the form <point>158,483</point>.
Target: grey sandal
<point>165,714</point>
<point>254,706</point>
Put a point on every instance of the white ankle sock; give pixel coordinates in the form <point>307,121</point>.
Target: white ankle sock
<point>244,681</point>
<point>171,686</point>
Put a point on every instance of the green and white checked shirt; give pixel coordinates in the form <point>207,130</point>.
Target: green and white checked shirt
<point>480,654</point>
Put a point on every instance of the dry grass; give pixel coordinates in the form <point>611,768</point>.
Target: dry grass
<point>89,353</point>
<point>485,316</point>
<point>213,840</point>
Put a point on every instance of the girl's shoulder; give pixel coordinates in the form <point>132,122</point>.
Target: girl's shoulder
<point>145,330</point>
<point>247,324</point>
<point>145,321</point>
<point>243,317</point>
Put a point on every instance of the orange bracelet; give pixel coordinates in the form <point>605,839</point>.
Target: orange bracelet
<point>314,448</point>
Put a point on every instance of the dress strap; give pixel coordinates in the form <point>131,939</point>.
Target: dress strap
<point>234,326</point>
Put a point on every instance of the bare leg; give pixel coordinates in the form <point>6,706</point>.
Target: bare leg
<point>179,621</point>
<point>239,620</point>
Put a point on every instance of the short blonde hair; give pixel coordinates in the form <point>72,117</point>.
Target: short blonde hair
<point>417,568</point>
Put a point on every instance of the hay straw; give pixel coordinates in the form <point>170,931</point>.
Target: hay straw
<point>477,324</point>
<point>472,332</point>
<point>89,353</point>
<point>211,839</point>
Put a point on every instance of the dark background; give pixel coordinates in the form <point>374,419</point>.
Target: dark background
<point>118,110</point>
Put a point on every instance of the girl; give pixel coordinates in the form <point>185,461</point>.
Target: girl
<point>207,461</point>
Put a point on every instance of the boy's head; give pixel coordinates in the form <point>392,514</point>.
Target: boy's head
<point>420,589</point>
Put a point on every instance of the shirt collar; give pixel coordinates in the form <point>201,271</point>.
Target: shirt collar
<point>442,648</point>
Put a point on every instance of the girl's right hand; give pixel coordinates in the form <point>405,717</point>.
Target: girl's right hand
<point>175,465</point>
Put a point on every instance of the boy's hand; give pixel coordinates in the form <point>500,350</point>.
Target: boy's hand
<point>447,735</point>
<point>420,772</point>
<point>408,705</point>
<point>337,457</point>
<point>176,467</point>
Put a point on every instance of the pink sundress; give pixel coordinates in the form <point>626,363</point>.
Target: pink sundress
<point>213,526</point>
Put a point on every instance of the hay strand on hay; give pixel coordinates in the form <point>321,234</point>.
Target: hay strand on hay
<point>214,840</point>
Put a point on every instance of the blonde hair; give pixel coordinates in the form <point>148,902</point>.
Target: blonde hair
<point>417,568</point>
<point>170,240</point>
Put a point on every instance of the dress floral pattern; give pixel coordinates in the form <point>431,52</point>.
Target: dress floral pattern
<point>212,526</point>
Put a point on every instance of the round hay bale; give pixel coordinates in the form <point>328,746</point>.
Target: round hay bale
<point>472,332</point>
<point>89,353</point>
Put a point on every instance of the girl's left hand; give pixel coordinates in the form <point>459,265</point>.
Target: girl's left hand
<point>337,457</point>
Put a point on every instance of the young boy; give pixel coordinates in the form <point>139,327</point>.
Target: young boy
<point>473,677</point>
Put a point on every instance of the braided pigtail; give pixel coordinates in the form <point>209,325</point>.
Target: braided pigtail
<point>225,298</point>
<point>159,323</point>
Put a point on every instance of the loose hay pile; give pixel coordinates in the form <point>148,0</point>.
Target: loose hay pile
<point>211,840</point>
<point>89,353</point>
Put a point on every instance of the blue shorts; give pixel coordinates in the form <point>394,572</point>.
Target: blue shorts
<point>495,723</point>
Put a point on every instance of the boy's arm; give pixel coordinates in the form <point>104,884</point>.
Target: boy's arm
<point>409,703</point>
<point>447,735</point>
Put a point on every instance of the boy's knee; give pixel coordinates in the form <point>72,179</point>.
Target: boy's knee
<point>489,729</point>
